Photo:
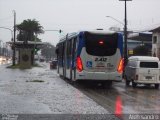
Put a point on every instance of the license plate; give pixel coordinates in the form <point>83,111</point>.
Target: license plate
<point>148,77</point>
<point>101,64</point>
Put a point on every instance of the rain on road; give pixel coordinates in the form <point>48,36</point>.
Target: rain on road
<point>41,91</point>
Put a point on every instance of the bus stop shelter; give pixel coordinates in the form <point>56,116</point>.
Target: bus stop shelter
<point>25,52</point>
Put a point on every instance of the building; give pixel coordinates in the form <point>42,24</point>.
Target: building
<point>139,39</point>
<point>156,42</point>
<point>25,52</point>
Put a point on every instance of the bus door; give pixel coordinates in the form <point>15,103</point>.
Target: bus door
<point>64,60</point>
<point>73,59</point>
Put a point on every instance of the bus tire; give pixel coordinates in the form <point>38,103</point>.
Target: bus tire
<point>71,78</point>
<point>134,84</point>
<point>127,83</point>
<point>157,86</point>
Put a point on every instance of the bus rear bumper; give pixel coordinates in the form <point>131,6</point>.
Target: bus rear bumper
<point>113,76</point>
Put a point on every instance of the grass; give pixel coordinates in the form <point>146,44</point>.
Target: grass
<point>34,81</point>
<point>18,66</point>
<point>14,66</point>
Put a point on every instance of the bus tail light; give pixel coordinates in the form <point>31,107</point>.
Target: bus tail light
<point>79,64</point>
<point>121,66</point>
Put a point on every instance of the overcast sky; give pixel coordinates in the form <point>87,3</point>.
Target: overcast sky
<point>75,15</point>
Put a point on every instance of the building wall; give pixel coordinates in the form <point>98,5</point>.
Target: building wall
<point>156,44</point>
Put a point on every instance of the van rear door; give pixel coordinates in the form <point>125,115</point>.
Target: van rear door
<point>149,71</point>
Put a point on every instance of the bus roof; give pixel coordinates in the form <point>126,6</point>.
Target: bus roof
<point>74,34</point>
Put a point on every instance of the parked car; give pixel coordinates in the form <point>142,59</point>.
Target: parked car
<point>53,64</point>
<point>142,70</point>
<point>41,59</point>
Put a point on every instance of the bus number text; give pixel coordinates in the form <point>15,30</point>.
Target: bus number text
<point>101,59</point>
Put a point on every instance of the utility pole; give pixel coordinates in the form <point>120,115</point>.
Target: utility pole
<point>14,40</point>
<point>125,33</point>
<point>125,37</point>
<point>0,48</point>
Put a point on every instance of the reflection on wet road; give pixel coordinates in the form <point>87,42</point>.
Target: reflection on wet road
<point>140,100</point>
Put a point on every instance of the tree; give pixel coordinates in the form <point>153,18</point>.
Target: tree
<point>28,30</point>
<point>48,51</point>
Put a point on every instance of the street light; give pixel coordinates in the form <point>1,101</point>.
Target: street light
<point>60,31</point>
<point>128,30</point>
<point>114,28</point>
<point>125,33</point>
<point>55,30</point>
<point>9,30</point>
<point>1,40</point>
<point>115,19</point>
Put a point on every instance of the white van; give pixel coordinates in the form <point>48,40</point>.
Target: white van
<point>142,70</point>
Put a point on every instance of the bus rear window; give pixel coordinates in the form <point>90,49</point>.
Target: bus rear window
<point>149,64</point>
<point>101,44</point>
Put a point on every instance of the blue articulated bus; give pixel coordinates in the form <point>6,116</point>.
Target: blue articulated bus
<point>91,55</point>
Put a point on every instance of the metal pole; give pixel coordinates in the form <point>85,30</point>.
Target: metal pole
<point>0,47</point>
<point>125,37</point>
<point>14,39</point>
<point>125,34</point>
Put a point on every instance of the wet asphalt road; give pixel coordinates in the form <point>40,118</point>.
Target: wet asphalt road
<point>41,91</point>
<point>140,100</point>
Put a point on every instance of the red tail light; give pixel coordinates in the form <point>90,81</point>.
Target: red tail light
<point>121,66</point>
<point>101,42</point>
<point>79,64</point>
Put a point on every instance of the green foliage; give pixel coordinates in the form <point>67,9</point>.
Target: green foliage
<point>141,50</point>
<point>28,30</point>
<point>35,81</point>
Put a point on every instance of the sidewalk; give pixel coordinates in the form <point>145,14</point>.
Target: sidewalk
<point>40,91</point>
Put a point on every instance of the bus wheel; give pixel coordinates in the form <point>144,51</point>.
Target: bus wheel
<point>156,86</point>
<point>127,83</point>
<point>134,84</point>
<point>71,78</point>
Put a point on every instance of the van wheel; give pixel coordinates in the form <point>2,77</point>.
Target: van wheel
<point>156,86</point>
<point>134,84</point>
